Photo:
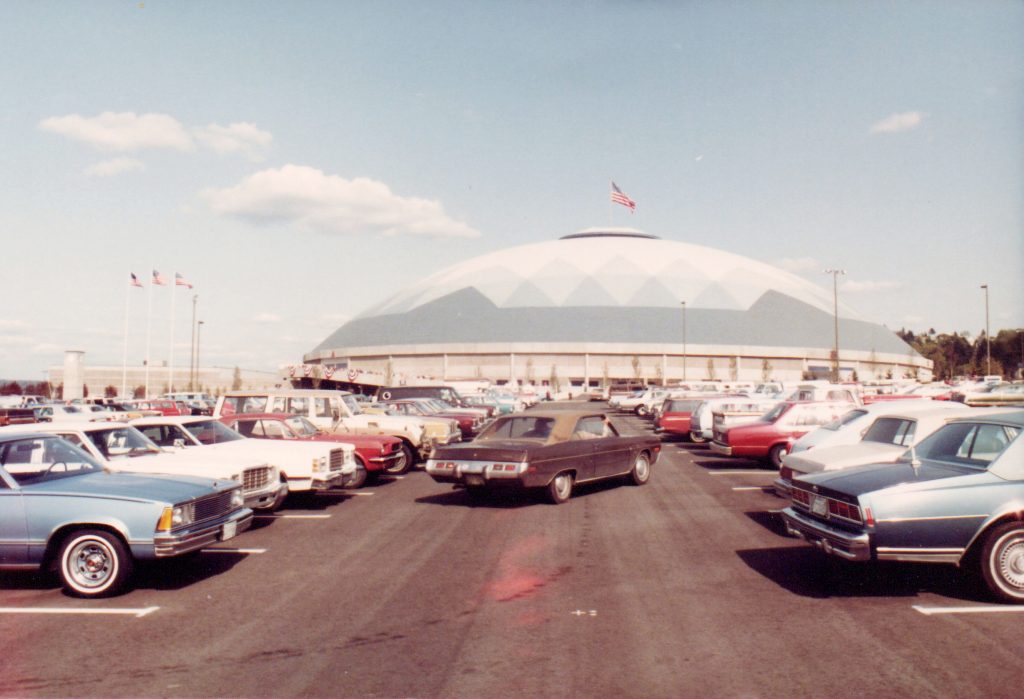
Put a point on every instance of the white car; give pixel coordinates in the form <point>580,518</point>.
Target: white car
<point>886,439</point>
<point>55,412</point>
<point>121,447</point>
<point>731,411</point>
<point>850,426</point>
<point>303,466</point>
<point>334,411</point>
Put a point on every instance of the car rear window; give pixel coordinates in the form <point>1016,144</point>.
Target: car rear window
<point>891,430</point>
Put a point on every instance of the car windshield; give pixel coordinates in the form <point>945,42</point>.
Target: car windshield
<point>301,426</point>
<point>975,444</point>
<point>122,441</point>
<point>40,459</point>
<point>212,432</point>
<point>681,406</point>
<point>519,427</point>
<point>775,413</point>
<point>844,419</point>
<point>352,404</point>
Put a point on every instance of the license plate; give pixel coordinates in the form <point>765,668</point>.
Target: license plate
<point>820,506</point>
<point>229,531</point>
<point>474,480</point>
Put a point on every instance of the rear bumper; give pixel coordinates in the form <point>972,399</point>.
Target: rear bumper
<point>782,487</point>
<point>723,449</point>
<point>831,540</point>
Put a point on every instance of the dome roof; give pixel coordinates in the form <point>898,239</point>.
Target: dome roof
<point>611,286</point>
<point>611,267</point>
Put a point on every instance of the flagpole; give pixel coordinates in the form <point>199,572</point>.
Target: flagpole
<point>149,329</point>
<point>124,356</point>
<point>170,357</point>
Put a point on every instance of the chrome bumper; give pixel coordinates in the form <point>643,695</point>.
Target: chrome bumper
<point>837,542</point>
<point>177,543</point>
<point>782,488</point>
<point>719,448</point>
<point>266,498</point>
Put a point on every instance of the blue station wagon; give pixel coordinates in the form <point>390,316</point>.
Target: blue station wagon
<point>959,492</point>
<point>60,508</point>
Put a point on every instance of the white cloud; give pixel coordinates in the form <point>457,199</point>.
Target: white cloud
<point>8,324</point>
<point>267,318</point>
<point>310,198</point>
<point>122,131</point>
<point>799,264</point>
<point>242,138</point>
<point>868,286</point>
<point>114,166</point>
<point>904,121</point>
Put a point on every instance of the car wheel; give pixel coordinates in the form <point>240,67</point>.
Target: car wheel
<point>94,563</point>
<point>775,455</point>
<point>560,487</point>
<point>641,410</point>
<point>697,439</point>
<point>402,464</point>
<point>1002,562</point>
<point>359,480</point>
<point>641,472</point>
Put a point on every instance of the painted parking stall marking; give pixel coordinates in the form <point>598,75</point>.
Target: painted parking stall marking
<point>233,550</point>
<point>138,612</point>
<point>729,472</point>
<point>294,516</point>
<point>932,611</point>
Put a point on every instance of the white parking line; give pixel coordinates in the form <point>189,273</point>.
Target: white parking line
<point>293,516</point>
<point>930,611</point>
<point>762,488</point>
<point>226,550</point>
<point>364,492</point>
<point>741,473</point>
<point>137,613</point>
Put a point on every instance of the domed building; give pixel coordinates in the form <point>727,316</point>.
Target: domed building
<point>608,304</point>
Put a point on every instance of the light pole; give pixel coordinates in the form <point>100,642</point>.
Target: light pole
<point>684,340</point>
<point>988,338</point>
<point>192,354</point>
<point>199,335</point>
<point>835,313</point>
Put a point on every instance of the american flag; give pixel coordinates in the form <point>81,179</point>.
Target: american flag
<point>135,280</point>
<point>157,279</point>
<point>619,197</point>
<point>180,281</point>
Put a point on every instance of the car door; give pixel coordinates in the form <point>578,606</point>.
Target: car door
<point>612,454</point>
<point>588,436</point>
<point>13,527</point>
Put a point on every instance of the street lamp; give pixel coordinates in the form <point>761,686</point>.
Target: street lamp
<point>835,312</point>
<point>192,354</point>
<point>988,338</point>
<point>684,340</point>
<point>199,335</point>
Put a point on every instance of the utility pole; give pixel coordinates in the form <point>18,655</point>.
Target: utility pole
<point>835,313</point>
<point>988,338</point>
<point>684,340</point>
<point>192,354</point>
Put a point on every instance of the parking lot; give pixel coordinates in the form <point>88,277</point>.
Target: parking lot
<point>683,587</point>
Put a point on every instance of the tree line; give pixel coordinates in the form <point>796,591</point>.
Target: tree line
<point>955,354</point>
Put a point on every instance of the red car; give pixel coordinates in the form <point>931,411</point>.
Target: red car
<point>772,435</point>
<point>164,407</point>
<point>470,420</point>
<point>377,454</point>
<point>675,419</point>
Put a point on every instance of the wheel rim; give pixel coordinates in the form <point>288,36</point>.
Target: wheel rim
<point>563,484</point>
<point>1008,562</point>
<point>91,564</point>
<point>398,465</point>
<point>642,468</point>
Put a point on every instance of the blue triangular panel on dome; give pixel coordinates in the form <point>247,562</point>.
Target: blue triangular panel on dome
<point>715,296</point>
<point>528,295</point>
<point>557,279</point>
<point>590,293</point>
<point>654,293</point>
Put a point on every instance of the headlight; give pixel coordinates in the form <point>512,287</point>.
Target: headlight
<point>237,499</point>
<point>319,464</point>
<point>177,516</point>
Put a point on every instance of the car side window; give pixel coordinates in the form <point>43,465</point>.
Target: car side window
<point>985,443</point>
<point>254,404</point>
<point>592,427</point>
<point>298,406</point>
<point>247,428</point>
<point>323,407</point>
<point>73,438</point>
<point>271,429</point>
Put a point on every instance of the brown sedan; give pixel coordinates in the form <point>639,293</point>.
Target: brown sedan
<point>545,450</point>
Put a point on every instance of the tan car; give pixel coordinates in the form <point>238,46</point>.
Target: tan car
<point>441,431</point>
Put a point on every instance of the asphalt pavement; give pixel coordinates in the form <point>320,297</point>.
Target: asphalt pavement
<point>682,587</point>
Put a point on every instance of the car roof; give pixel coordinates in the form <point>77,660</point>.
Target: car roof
<point>290,392</point>
<point>15,435</point>
<point>1014,418</point>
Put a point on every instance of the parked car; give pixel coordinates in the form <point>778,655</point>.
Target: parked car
<point>702,420</point>
<point>545,451</point>
<point>883,441</point>
<point>771,435</point>
<point>61,509</point>
<point>674,420</point>
<point>121,447</point>
<point>469,424</point>
<point>377,454</point>
<point>335,411</point>
<point>302,467</point>
<point>957,498</point>
<point>849,427</point>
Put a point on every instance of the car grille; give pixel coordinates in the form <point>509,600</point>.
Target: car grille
<point>211,507</point>
<point>255,478</point>
<point>337,459</point>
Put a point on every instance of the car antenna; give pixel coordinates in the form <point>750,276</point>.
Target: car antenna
<point>914,461</point>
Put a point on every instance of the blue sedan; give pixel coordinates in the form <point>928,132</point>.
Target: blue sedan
<point>957,498</point>
<point>59,508</point>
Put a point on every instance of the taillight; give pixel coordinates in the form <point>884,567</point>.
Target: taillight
<point>869,516</point>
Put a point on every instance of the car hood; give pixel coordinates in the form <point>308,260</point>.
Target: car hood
<point>496,450</point>
<point>266,448</point>
<point>866,479</point>
<point>843,456</point>
<point>162,488</point>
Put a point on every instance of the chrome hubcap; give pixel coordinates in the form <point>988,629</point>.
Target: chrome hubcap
<point>1011,563</point>
<point>562,485</point>
<point>642,467</point>
<point>91,564</point>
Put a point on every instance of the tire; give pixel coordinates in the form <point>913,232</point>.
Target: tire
<point>403,463</point>
<point>698,439</point>
<point>94,563</point>
<point>641,411</point>
<point>641,472</point>
<point>1002,562</point>
<point>560,488</point>
<point>775,455</point>
<point>360,480</point>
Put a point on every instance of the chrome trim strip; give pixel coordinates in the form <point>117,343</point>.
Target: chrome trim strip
<point>931,519</point>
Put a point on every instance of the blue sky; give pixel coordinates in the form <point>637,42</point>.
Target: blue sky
<point>299,162</point>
